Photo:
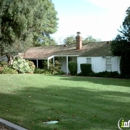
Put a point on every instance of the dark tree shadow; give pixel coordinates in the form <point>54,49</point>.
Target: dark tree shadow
<point>99,80</point>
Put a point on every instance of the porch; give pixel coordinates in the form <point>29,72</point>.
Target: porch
<point>62,59</point>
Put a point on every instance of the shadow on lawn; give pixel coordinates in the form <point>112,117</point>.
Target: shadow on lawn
<point>99,80</point>
<point>76,108</point>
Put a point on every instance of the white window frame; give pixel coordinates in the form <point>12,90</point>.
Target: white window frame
<point>108,64</point>
<point>88,60</point>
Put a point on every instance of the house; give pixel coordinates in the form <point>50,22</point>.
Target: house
<point>3,58</point>
<point>98,54</point>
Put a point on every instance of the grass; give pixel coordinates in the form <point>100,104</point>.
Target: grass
<point>79,103</point>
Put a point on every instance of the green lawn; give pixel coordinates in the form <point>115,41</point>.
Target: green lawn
<point>79,103</point>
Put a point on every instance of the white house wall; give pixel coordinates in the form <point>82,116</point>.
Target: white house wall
<point>99,63</point>
<point>116,63</point>
<point>3,58</point>
<point>62,60</point>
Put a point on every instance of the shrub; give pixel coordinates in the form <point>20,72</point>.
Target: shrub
<point>56,69</point>
<point>31,65</point>
<point>103,74</point>
<point>49,71</point>
<point>8,70</point>
<point>60,72</point>
<point>3,63</point>
<point>38,71</point>
<point>86,69</point>
<point>115,74</point>
<point>111,74</point>
<point>21,65</point>
<point>72,67</point>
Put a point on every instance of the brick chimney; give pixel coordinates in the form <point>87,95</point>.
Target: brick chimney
<point>78,41</point>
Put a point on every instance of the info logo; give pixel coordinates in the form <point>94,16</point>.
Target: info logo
<point>122,124</point>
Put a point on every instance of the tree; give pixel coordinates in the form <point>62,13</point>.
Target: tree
<point>70,40</point>
<point>47,41</point>
<point>125,29</point>
<point>121,46</point>
<point>23,22</point>
<point>89,39</point>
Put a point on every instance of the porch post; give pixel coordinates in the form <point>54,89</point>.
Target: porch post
<point>37,63</point>
<point>54,61</point>
<point>48,63</point>
<point>66,64</point>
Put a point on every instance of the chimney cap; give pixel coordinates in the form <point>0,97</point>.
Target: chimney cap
<point>78,33</point>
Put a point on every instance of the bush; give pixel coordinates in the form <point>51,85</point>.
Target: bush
<point>86,69</point>
<point>3,63</point>
<point>22,66</point>
<point>115,74</point>
<point>51,71</point>
<point>60,72</point>
<point>108,74</point>
<point>72,67</point>
<point>8,70</point>
<point>31,65</point>
<point>56,69</point>
<point>38,71</point>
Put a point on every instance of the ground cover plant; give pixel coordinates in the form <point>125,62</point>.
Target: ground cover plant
<point>78,103</point>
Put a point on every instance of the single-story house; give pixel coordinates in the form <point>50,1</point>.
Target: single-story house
<point>3,58</point>
<point>98,54</point>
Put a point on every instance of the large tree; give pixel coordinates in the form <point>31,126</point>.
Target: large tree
<point>125,28</point>
<point>22,22</point>
<point>121,46</point>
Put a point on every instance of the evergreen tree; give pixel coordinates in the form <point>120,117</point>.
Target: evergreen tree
<point>125,29</point>
<point>22,22</point>
<point>121,46</point>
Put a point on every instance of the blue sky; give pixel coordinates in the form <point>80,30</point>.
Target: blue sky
<point>99,18</point>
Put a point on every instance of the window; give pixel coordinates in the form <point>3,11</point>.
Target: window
<point>108,64</point>
<point>89,60</point>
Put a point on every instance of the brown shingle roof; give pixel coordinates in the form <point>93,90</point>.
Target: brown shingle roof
<point>88,49</point>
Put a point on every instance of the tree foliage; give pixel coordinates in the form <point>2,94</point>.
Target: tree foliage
<point>72,40</point>
<point>125,28</point>
<point>89,39</point>
<point>22,22</point>
<point>121,46</point>
<point>46,41</point>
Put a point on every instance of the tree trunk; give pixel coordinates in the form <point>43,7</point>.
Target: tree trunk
<point>9,59</point>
